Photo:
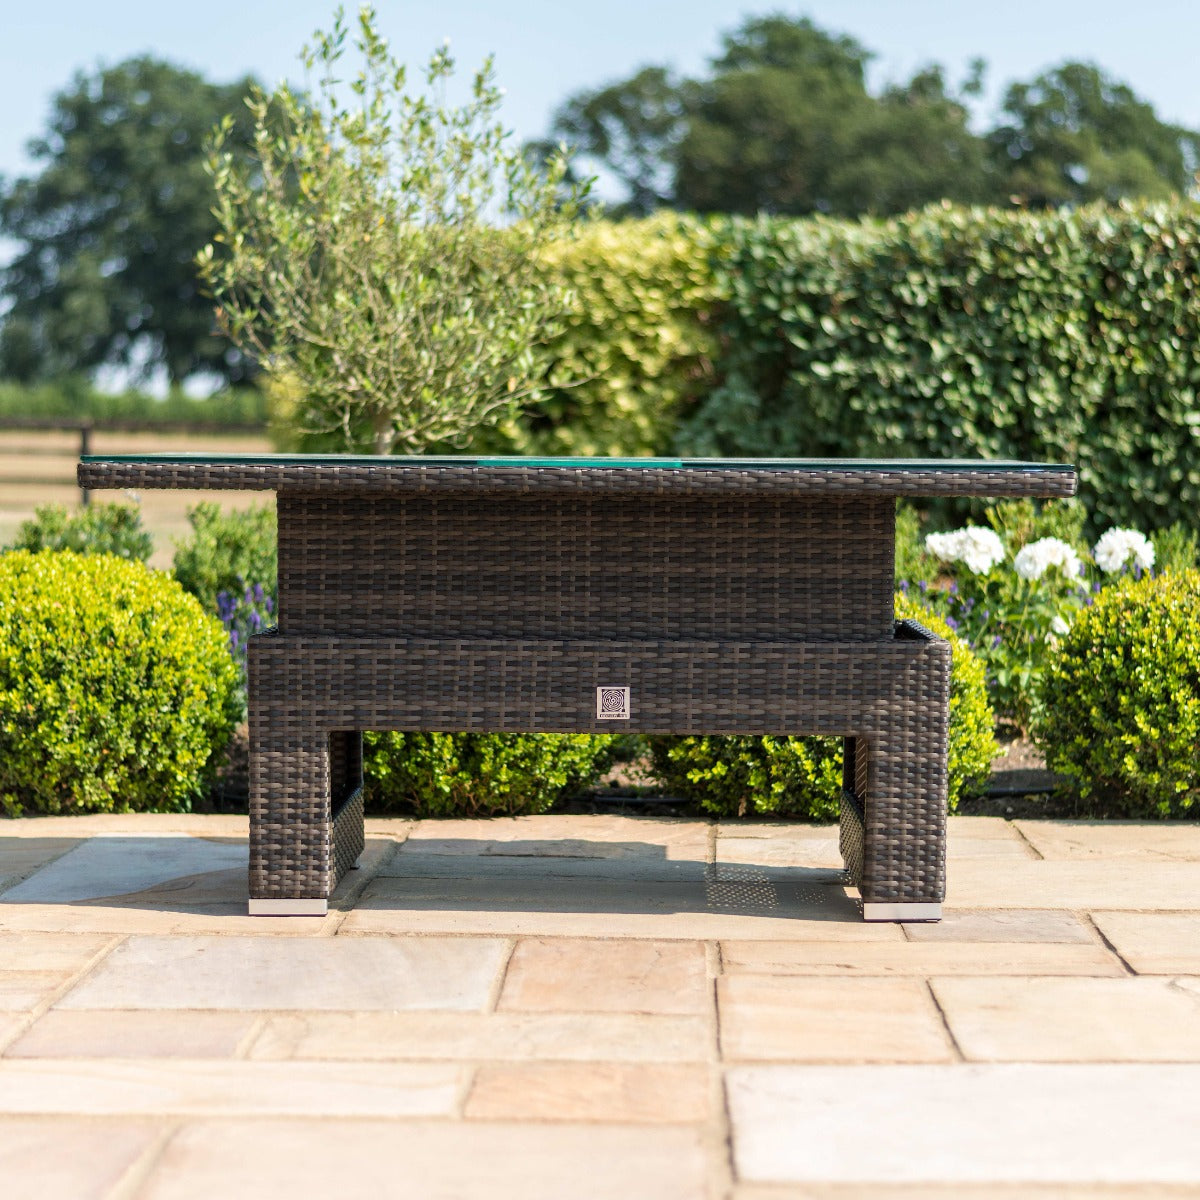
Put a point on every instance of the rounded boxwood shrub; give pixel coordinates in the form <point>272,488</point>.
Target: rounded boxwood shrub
<point>802,776</point>
<point>477,774</point>
<point>1119,711</point>
<point>117,692</point>
<point>98,529</point>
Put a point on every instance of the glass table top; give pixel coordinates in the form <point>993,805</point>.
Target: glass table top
<point>516,461</point>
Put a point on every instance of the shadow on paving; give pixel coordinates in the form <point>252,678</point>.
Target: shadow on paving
<point>183,873</point>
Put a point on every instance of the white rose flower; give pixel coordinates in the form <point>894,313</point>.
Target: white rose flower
<point>978,549</point>
<point>1036,558</point>
<point>1116,547</point>
<point>1059,626</point>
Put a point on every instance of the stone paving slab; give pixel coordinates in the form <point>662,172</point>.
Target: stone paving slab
<point>55,1158</point>
<point>497,1037</point>
<point>413,862</point>
<point>20,857</point>
<point>576,835</point>
<point>1079,884</point>
<point>135,1034</point>
<point>585,975</point>
<point>50,951</point>
<point>1143,841</point>
<point>22,991</point>
<point>918,958</point>
<point>797,1019</point>
<point>1154,943</point>
<point>517,905</point>
<point>966,1123</point>
<point>95,869</point>
<point>613,1092</point>
<point>1071,1020</point>
<point>223,918</point>
<point>566,990</point>
<point>266,973</point>
<point>428,1160</point>
<point>192,1087</point>
<point>1013,926</point>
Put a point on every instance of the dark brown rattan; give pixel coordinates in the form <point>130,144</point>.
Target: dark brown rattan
<point>393,475</point>
<point>728,599</point>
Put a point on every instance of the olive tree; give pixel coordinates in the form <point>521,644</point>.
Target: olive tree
<point>381,253</point>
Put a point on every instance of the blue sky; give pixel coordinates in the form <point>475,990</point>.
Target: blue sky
<point>546,49</point>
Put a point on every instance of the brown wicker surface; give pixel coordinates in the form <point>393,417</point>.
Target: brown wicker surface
<point>401,475</point>
<point>735,598</point>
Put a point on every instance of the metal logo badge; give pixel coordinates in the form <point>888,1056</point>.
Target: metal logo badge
<point>612,703</point>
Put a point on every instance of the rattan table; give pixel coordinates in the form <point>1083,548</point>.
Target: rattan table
<point>685,596</point>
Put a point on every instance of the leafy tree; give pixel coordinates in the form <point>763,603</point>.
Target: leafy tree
<point>783,124</point>
<point>109,228</point>
<point>1075,134</point>
<point>633,128</point>
<point>381,254</point>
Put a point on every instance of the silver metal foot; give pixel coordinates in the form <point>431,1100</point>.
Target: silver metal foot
<point>288,908</point>
<point>901,912</point>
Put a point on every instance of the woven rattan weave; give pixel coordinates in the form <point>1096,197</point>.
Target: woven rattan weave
<point>475,594</point>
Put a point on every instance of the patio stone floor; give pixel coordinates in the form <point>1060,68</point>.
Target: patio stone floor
<point>576,1008</point>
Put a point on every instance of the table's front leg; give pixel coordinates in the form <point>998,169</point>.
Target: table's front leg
<point>306,818</point>
<point>893,828</point>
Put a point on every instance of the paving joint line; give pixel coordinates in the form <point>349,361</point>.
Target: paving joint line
<point>1037,854</point>
<point>363,877</point>
<point>28,1019</point>
<point>132,1182</point>
<point>718,1128</point>
<point>1108,945</point>
<point>497,988</point>
<point>941,1012</point>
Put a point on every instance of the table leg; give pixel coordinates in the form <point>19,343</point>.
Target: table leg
<point>893,828</point>
<point>306,822</point>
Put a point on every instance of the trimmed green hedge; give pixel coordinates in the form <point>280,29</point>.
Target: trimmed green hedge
<point>117,692</point>
<point>638,346</point>
<point>1063,336</point>
<point>477,774</point>
<point>1120,701</point>
<point>802,776</point>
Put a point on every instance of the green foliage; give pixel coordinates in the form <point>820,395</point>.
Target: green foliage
<point>1075,134</point>
<point>359,257</point>
<point>97,529</point>
<point>226,551</point>
<point>1175,548</point>
<point>913,566</point>
<point>782,122</point>
<point>1120,711</point>
<point>759,776</point>
<point>106,233</point>
<point>477,774</point>
<point>785,124</point>
<point>802,776</point>
<point>636,349</point>
<point>72,399</point>
<point>972,721</point>
<point>116,690</point>
<point>1055,337</point>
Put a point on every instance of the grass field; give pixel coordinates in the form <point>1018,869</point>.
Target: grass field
<point>38,467</point>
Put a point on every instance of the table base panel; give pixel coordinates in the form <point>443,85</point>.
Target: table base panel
<point>310,697</point>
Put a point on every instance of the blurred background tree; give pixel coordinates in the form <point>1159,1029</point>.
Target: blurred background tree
<point>1075,134</point>
<point>108,230</point>
<point>785,123</point>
